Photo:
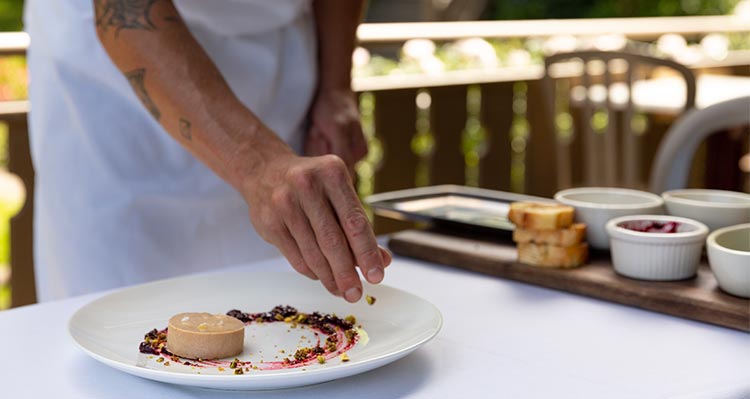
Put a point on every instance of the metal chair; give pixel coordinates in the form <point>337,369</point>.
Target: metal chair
<point>675,152</point>
<point>612,158</point>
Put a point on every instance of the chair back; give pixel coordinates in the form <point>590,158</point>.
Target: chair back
<point>677,148</point>
<point>595,142</point>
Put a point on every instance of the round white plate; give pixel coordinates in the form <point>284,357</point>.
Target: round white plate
<point>110,328</point>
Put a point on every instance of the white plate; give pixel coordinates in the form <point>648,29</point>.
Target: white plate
<point>110,328</point>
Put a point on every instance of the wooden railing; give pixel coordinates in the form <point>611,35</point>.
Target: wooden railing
<point>460,127</point>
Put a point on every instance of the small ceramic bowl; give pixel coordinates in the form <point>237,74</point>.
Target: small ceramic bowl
<point>715,208</point>
<point>729,257</point>
<point>656,254</point>
<point>595,206</point>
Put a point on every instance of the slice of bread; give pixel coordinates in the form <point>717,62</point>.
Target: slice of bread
<point>553,255</point>
<point>560,237</point>
<point>540,216</point>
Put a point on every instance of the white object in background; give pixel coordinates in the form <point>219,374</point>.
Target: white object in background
<point>715,208</point>
<point>676,150</point>
<point>656,256</point>
<point>595,206</point>
<point>729,257</point>
<point>110,328</point>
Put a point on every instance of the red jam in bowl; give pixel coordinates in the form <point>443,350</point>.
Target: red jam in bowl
<point>650,226</point>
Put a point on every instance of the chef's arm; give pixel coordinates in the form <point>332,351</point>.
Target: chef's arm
<point>336,23</point>
<point>307,207</point>
<point>334,116</point>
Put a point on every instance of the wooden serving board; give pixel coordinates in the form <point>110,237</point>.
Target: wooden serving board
<point>698,298</point>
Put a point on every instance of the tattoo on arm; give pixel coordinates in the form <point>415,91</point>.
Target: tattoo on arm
<point>136,79</point>
<point>124,14</point>
<point>185,129</point>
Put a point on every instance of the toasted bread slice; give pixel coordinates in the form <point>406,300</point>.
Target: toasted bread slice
<point>560,237</point>
<point>540,216</point>
<point>553,255</point>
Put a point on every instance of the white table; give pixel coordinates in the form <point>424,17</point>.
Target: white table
<point>500,339</point>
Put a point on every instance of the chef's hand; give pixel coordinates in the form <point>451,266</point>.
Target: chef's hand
<point>307,207</point>
<point>335,127</point>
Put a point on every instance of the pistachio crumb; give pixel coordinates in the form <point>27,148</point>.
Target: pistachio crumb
<point>344,357</point>
<point>351,319</point>
<point>166,363</point>
<point>159,360</point>
<point>238,371</point>
<point>321,359</point>
<point>370,299</point>
<point>221,368</point>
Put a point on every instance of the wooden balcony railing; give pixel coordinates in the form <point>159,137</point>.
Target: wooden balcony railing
<point>462,127</point>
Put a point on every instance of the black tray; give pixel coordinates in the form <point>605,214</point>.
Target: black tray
<point>450,206</point>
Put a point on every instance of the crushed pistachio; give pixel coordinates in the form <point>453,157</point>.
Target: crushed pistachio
<point>233,364</point>
<point>221,368</point>
<point>288,319</point>
<point>344,357</point>
<point>351,319</point>
<point>166,363</point>
<point>159,360</point>
<point>350,334</point>
<point>238,371</point>
<point>321,359</point>
<point>370,299</point>
<point>302,353</point>
<point>279,317</point>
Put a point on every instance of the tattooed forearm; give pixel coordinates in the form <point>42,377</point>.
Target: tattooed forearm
<point>185,129</point>
<point>136,79</point>
<point>124,14</point>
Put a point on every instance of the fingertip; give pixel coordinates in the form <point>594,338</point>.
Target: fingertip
<point>353,294</point>
<point>374,275</point>
<point>386,255</point>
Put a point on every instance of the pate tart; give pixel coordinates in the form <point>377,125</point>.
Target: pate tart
<point>205,336</point>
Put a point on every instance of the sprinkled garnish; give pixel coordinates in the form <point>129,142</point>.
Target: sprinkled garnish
<point>370,299</point>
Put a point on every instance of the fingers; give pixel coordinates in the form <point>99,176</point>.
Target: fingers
<point>354,222</point>
<point>358,146</point>
<point>330,238</point>
<point>305,240</point>
<point>288,247</point>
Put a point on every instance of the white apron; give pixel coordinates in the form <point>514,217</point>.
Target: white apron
<point>117,200</point>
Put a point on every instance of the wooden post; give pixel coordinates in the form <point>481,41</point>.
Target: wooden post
<point>448,115</point>
<point>21,226</point>
<point>395,116</point>
<point>497,117</point>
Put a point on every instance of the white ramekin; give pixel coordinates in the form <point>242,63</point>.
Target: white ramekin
<point>715,208</point>
<point>729,257</point>
<point>657,256</point>
<point>595,206</point>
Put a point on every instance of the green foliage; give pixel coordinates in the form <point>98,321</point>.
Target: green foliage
<point>539,9</point>
<point>10,15</point>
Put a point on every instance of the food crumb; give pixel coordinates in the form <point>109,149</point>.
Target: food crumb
<point>370,299</point>
<point>238,371</point>
<point>166,363</point>
<point>221,369</point>
<point>159,360</point>
<point>321,359</point>
<point>344,357</point>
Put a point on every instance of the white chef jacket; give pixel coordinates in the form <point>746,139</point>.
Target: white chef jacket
<point>117,200</point>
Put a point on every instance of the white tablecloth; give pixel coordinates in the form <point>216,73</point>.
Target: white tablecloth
<point>500,339</point>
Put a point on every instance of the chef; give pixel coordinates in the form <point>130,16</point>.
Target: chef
<point>177,136</point>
